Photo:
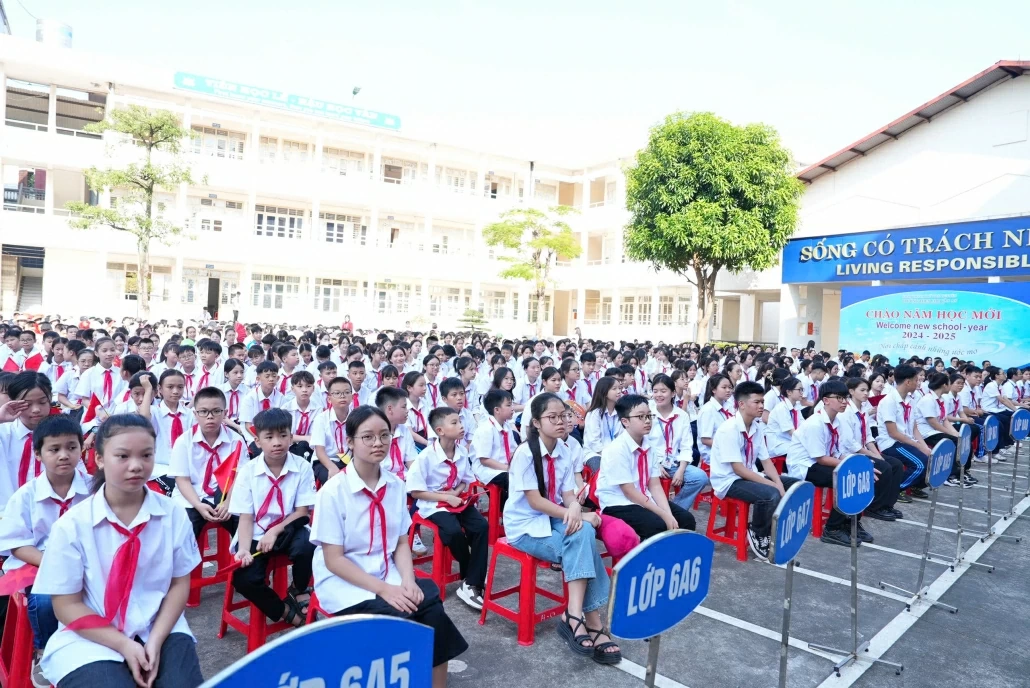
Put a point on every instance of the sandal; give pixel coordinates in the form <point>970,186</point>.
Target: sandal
<point>292,592</point>
<point>292,614</point>
<point>572,639</point>
<point>600,656</point>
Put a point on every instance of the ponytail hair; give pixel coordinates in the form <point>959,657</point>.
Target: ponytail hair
<point>712,383</point>
<point>116,425</point>
<point>536,409</point>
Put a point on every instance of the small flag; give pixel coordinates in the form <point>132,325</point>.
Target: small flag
<point>34,361</point>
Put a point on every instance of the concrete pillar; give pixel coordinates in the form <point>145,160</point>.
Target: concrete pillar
<point>427,233</point>
<point>316,233</point>
<point>254,160</point>
<point>51,117</point>
<point>373,225</point>
<point>246,292</point>
<point>424,308</point>
<point>370,302</point>
<point>48,191</point>
<point>279,150</point>
<point>584,203</point>
<point>523,303</point>
<point>175,290</point>
<point>584,246</point>
<point>581,306</point>
<point>377,164</point>
<point>181,200</point>
<point>618,250</point>
<point>431,174</point>
<point>746,328</point>
<point>790,321</point>
<point>655,296</point>
<point>616,304</point>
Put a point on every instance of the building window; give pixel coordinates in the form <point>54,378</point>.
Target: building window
<point>606,310</point>
<point>494,302</point>
<point>342,228</point>
<point>217,143</point>
<point>715,313</point>
<point>268,149</point>
<point>644,310</point>
<point>275,291</point>
<point>207,225</point>
<point>544,312</point>
<point>283,223</point>
<point>124,277</point>
<point>295,152</point>
<point>626,311</point>
<point>664,310</point>
<point>682,310</point>
<point>342,162</point>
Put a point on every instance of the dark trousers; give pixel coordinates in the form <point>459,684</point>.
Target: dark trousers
<point>1004,434</point>
<point>888,484</point>
<point>251,581</point>
<point>974,441</point>
<point>914,462</point>
<point>465,534</point>
<point>763,498</point>
<point>321,472</point>
<point>647,523</point>
<point>448,642</point>
<point>501,481</point>
<point>179,668</point>
<point>198,522</point>
<point>694,448</point>
<point>822,476</point>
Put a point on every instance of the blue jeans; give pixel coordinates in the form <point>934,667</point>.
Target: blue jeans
<point>41,618</point>
<point>577,555</point>
<point>694,480</point>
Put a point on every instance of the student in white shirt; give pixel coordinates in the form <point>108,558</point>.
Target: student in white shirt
<point>64,388</point>
<point>104,380</point>
<point>544,519</point>
<point>811,379</point>
<point>995,403</point>
<point>529,384</point>
<point>30,404</point>
<point>785,417</point>
<point>958,417</point>
<point>493,443</point>
<point>264,396</point>
<point>394,403</point>
<point>211,373</point>
<point>356,375</point>
<point>302,407</point>
<point>414,386</point>
<point>737,449</point>
<point>362,566</point>
<point>96,644</point>
<point>629,479</point>
<point>775,395</point>
<point>672,440</point>
<point>602,422</point>
<point>571,390</point>
<point>433,380</point>
<point>859,440</point>
<point>272,496</point>
<point>170,417</point>
<point>329,434</point>
<point>898,435</point>
<point>234,390</point>
<point>718,392</point>
<point>453,396</point>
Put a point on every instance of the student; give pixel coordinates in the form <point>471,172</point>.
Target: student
<point>272,497</point>
<point>493,443</point>
<point>718,392</point>
<point>414,386</point>
<point>211,374</point>
<point>190,372</point>
<point>958,417</point>
<point>326,373</point>
<point>454,398</point>
<point>142,393</point>
<point>587,362</point>
<point>465,371</point>
<point>433,380</point>
<point>135,634</point>
<point>30,403</point>
<point>628,483</point>
<point>233,388</point>
<point>785,417</point>
<point>103,381</point>
<point>439,483</point>
<point>198,458</point>
<point>996,404</point>
<point>362,563</point>
<point>265,395</point>
<point>602,422</point>
<point>290,363</point>
<point>356,375</point>
<point>672,440</point>
<point>394,403</point>
<point>898,435</point>
<point>303,410</point>
<point>169,358</point>
<point>328,436</point>
<point>170,417</point>
<point>859,440</point>
<point>932,414</point>
<point>571,390</point>
<point>529,384</point>
<point>737,449</point>
<point>32,511</point>
<point>774,394</point>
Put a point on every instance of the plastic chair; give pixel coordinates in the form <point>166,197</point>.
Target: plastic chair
<point>780,462</point>
<point>16,645</point>
<point>525,617</point>
<point>733,531</point>
<point>220,557</point>
<point>705,496</point>
<point>823,497</point>
<point>493,513</point>
<point>314,609</point>
<point>257,628</point>
<point>441,563</point>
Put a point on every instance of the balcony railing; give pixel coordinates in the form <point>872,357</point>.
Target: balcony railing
<point>78,133</point>
<point>20,124</point>
<point>21,208</point>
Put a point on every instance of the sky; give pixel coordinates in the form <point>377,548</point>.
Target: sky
<point>570,82</point>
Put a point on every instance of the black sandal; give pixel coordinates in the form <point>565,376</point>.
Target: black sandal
<point>293,612</point>
<point>568,633</point>
<point>292,593</point>
<point>600,656</point>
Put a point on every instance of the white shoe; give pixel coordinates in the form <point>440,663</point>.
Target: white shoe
<point>470,595</point>
<point>38,680</point>
<point>417,548</point>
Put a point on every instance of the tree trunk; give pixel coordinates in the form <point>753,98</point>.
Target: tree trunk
<point>705,303</point>
<point>143,282</point>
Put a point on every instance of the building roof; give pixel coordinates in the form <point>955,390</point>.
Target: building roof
<point>1000,71</point>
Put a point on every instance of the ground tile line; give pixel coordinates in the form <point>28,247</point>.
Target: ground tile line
<point>762,631</point>
<point>910,555</point>
<point>923,525</point>
<point>882,642</point>
<point>969,509</point>
<point>845,581</point>
<point>634,669</point>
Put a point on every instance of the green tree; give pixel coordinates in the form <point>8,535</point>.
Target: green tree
<point>536,238</point>
<point>707,195</point>
<point>474,320</point>
<point>151,132</point>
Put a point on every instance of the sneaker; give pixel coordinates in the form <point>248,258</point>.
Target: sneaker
<point>902,497</point>
<point>971,480</point>
<point>763,544</point>
<point>836,537</point>
<point>755,543</point>
<point>980,459</point>
<point>1000,458</point>
<point>919,493</point>
<point>864,535</point>
<point>953,481</point>
<point>38,679</point>
<point>417,548</point>
<point>471,595</point>
<point>883,514</point>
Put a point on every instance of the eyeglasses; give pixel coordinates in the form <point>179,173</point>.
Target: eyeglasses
<point>833,396</point>
<point>646,417</point>
<point>208,413</point>
<point>556,418</point>
<point>369,440</point>
<point>339,395</point>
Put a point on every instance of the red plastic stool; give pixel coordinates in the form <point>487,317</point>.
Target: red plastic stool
<point>314,609</point>
<point>441,562</point>
<point>823,497</point>
<point>705,496</point>
<point>780,462</point>
<point>220,557</point>
<point>493,513</point>
<point>16,646</point>
<point>257,628</point>
<point>733,532</point>
<point>525,617</point>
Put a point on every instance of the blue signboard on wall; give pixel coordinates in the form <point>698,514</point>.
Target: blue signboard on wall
<point>268,97</point>
<point>966,249</point>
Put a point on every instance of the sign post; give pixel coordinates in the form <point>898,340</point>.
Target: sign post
<point>991,438</point>
<point>310,657</point>
<point>791,523</point>
<point>657,585</point>
<point>1019,429</point>
<point>938,469</point>
<point>853,480</point>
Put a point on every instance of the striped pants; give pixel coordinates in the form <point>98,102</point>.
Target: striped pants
<point>915,463</point>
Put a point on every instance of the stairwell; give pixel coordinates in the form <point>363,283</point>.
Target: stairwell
<point>30,295</point>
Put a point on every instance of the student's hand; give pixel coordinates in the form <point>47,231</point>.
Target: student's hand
<point>397,597</point>
<point>453,500</point>
<point>12,409</point>
<point>266,542</point>
<point>924,447</point>
<point>245,559</point>
<point>332,470</point>
<point>152,650</point>
<point>413,592</point>
<point>222,511</point>
<point>593,518</point>
<point>665,473</point>
<point>88,442</point>
<point>145,382</point>
<point>670,522</point>
<point>677,479</point>
<point>207,512</point>
<point>779,486</point>
<point>136,658</point>
<point>573,519</point>
<point>876,474</point>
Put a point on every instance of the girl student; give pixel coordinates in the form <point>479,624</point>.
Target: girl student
<point>718,391</point>
<point>997,404</point>
<point>551,380</point>
<point>529,384</point>
<point>686,399</point>
<point>785,417</point>
<point>602,424</point>
<point>103,381</point>
<point>772,378</point>
<point>362,563</point>
<point>169,358</point>
<point>859,440</point>
<point>414,386</point>
<point>543,518</point>
<point>671,438</point>
<point>433,380</point>
<point>65,387</point>
<point>117,571</point>
<point>465,370</point>
<point>20,464</point>
<point>234,391</point>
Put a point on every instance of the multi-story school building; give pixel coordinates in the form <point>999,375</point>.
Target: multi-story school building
<point>313,210</point>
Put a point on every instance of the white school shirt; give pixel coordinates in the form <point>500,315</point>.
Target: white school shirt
<point>728,448</point>
<point>1010,390</point>
<point>312,411</point>
<point>468,424</point>
<point>990,401</point>
<point>13,438</point>
<point>79,555</point>
<point>250,376</point>
<point>891,409</point>
<point>66,385</point>
<point>432,396</point>
<point>812,440</point>
<point>780,427</point>
<point>233,399</point>
<point>585,390</point>
<point>809,388</point>
<point>697,388</point>
<point>488,442</point>
<point>431,472</point>
<point>192,385</point>
<point>575,453</point>
<point>408,452</point>
<point>619,466</point>
<point>92,382</point>
<point>253,403</point>
<point>640,382</point>
<point>330,433</point>
<point>671,438</point>
<point>772,399</point>
<point>418,416</point>
<point>708,421</point>
<point>161,419</point>
<point>850,420</point>
<point>343,517</point>
<point>599,430</point>
<point>30,514</point>
<point>520,518</point>
<point>282,384</point>
<point>215,377</point>
<point>969,397</point>
<point>254,482</point>
<point>193,461</point>
<point>577,395</point>
<point>927,407</point>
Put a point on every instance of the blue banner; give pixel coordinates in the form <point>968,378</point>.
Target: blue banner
<point>791,522</point>
<point>304,105</point>
<point>991,433</point>
<point>1020,425</point>
<point>853,488</point>
<point>966,249</point>
<point>974,322</point>
<point>965,442</point>
<point>942,459</point>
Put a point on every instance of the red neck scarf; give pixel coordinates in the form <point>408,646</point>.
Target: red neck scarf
<point>340,436</point>
<point>119,582</point>
<point>749,449</point>
<point>907,410</point>
<point>668,433</point>
<point>396,459</point>
<point>204,379</point>
<point>862,422</point>
<point>176,426</point>
<point>452,475</point>
<point>304,424</point>
<point>507,445</point>
<point>109,386</point>
<point>375,504</point>
<point>643,470</point>
<point>552,479</point>
<point>794,417</point>
<point>590,387</point>
<point>26,461</point>
<point>941,414</point>
<point>276,490</point>
<point>421,424</point>
<point>213,461</point>
<point>724,412</point>
<point>834,440</point>
<point>266,404</point>
<point>234,403</point>
<point>63,504</point>
<point>433,392</point>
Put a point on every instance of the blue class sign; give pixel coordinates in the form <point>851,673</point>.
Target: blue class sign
<point>281,100</point>
<point>965,442</point>
<point>659,584</point>
<point>359,651</point>
<point>991,433</point>
<point>942,459</point>
<point>791,522</point>
<point>1020,425</point>
<point>853,484</point>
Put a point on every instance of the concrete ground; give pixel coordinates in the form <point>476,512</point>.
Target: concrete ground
<point>733,638</point>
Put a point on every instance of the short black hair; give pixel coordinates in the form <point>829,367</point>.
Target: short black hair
<point>833,388</point>
<point>170,372</point>
<point>495,399</point>
<point>137,379</point>
<point>449,385</point>
<point>746,389</point>
<point>356,364</point>
<point>266,367</point>
<point>274,420</point>
<point>326,365</point>
<point>54,426</point>
<point>339,380</point>
<point>209,393</point>
<point>627,403</point>
<point>133,364</point>
<point>302,376</point>
<point>210,345</point>
<point>388,395</point>
<point>437,415</point>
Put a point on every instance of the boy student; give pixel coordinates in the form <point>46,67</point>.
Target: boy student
<point>170,417</point>
<point>272,496</point>
<point>326,374</point>
<point>394,403</point>
<point>356,375</point>
<point>289,355</point>
<point>452,393</point>
<point>264,396</point>
<point>811,379</point>
<point>439,482</point>
<point>493,443</point>
<point>897,433</point>
<point>329,434</point>
<point>629,480</point>
<point>211,374</point>
<point>303,410</point>
<point>190,371</point>
<point>737,448</point>
<point>587,379</point>
<point>933,419</point>
<point>199,457</point>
